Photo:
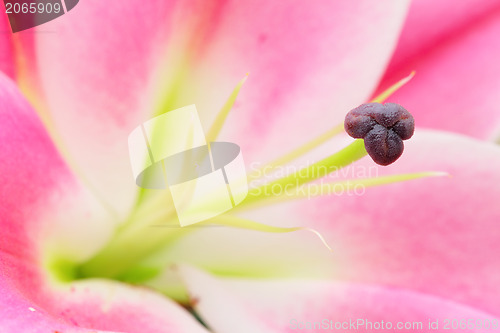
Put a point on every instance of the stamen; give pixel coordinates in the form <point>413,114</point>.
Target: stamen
<point>383,128</point>
<point>337,161</point>
<point>319,140</point>
<point>241,223</point>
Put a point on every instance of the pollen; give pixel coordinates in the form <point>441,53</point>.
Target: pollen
<point>383,128</point>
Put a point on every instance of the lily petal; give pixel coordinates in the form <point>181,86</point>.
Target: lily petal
<point>454,49</point>
<point>90,305</point>
<point>413,234</point>
<point>47,216</point>
<point>429,24</point>
<point>93,82</point>
<point>288,306</point>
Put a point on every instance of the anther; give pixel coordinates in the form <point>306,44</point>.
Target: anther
<point>383,128</point>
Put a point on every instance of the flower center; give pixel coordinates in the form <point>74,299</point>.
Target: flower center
<point>125,256</point>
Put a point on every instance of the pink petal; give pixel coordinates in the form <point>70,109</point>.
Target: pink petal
<point>46,215</point>
<point>90,305</point>
<point>430,23</point>
<point>437,236</point>
<point>287,305</point>
<point>95,70</point>
<point>454,49</point>
<point>105,66</point>
<point>43,204</point>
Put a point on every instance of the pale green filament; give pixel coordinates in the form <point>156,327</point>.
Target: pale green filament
<point>392,89</point>
<point>337,161</point>
<point>158,201</point>
<point>316,142</point>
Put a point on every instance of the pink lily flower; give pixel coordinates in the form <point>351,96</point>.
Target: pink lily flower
<point>77,250</point>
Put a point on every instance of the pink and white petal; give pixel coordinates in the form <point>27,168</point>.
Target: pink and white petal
<point>95,70</point>
<point>239,305</point>
<point>39,197</point>
<point>19,315</point>
<point>457,81</point>
<point>438,236</point>
<point>106,64</point>
<point>30,304</point>
<point>44,207</point>
<point>96,305</point>
<point>47,216</point>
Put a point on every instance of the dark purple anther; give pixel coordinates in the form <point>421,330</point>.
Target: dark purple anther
<point>383,127</point>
